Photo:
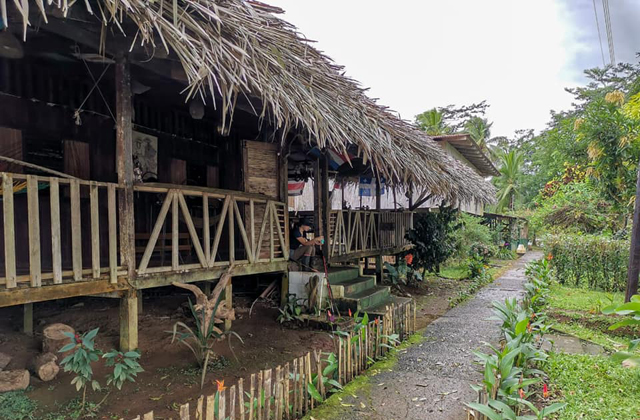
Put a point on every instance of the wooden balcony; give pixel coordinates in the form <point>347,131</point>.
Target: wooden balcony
<point>61,237</point>
<point>364,233</point>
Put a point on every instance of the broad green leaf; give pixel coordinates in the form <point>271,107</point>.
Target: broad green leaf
<point>521,326</point>
<point>507,412</point>
<point>485,410</point>
<point>552,409</point>
<point>314,392</point>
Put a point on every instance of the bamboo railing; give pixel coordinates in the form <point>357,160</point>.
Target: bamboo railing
<point>77,227</point>
<point>358,231</point>
<point>252,225</point>
<point>283,392</point>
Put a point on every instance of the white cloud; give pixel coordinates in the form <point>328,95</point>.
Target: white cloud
<point>415,55</point>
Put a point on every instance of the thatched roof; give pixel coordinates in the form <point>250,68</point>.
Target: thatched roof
<point>234,47</point>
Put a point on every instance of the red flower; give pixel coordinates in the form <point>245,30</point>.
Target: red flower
<point>409,258</point>
<point>377,321</point>
<point>221,386</point>
<point>545,391</point>
<point>549,257</point>
<point>349,311</point>
<point>522,394</point>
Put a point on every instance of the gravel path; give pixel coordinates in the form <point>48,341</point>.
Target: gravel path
<point>431,379</point>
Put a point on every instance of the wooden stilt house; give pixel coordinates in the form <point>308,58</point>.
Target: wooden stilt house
<point>148,142</point>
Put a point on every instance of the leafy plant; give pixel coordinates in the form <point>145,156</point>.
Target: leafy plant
<point>481,251</point>
<point>472,230</point>
<point>432,238</point>
<point>511,369</point>
<point>292,310</point>
<point>402,272</point>
<point>125,367</point>
<point>83,354</point>
<point>79,362</point>
<point>505,253</point>
<point>201,339</point>
<point>631,309</point>
<point>16,405</point>
<point>595,262</point>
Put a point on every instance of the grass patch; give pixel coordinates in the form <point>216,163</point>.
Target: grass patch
<point>358,389</point>
<point>456,271</point>
<point>16,406</point>
<point>597,337</point>
<point>576,299</point>
<point>594,387</point>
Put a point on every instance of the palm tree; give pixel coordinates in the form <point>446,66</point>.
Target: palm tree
<point>510,168</point>
<point>479,129</point>
<point>432,122</point>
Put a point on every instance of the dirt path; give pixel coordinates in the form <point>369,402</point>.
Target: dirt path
<point>431,379</point>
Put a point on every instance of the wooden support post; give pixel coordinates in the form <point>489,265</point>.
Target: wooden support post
<point>28,319</point>
<point>129,321</point>
<point>124,164</point>
<point>326,204</point>
<point>284,289</point>
<point>228,298</point>
<point>139,293</point>
<point>379,269</point>
<point>317,198</point>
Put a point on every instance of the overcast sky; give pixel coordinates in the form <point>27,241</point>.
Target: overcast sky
<point>518,55</point>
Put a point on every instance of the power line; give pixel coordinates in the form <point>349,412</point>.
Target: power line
<point>595,12</point>
<point>607,21</point>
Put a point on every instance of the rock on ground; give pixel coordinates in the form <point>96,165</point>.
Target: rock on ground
<point>14,380</point>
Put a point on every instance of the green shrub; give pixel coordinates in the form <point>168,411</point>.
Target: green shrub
<point>471,231</point>
<point>432,237</point>
<point>595,262</point>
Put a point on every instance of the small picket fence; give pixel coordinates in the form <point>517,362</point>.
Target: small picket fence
<point>283,393</point>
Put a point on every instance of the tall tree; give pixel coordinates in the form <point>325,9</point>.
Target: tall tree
<point>432,122</point>
<point>479,129</point>
<point>511,163</point>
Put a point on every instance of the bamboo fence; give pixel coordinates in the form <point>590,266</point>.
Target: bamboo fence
<point>284,392</point>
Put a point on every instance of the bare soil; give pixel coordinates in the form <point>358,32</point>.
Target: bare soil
<point>171,375</point>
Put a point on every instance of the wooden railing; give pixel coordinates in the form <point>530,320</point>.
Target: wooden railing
<point>394,226</point>
<point>59,230</point>
<point>353,232</point>
<point>36,232</point>
<point>223,227</point>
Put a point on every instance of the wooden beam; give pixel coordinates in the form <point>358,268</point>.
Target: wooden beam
<point>189,276</point>
<point>22,295</point>
<point>124,164</point>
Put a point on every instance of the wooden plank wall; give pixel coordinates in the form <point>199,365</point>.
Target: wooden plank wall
<point>260,175</point>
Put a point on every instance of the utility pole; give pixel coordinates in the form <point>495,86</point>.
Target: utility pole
<point>634,251</point>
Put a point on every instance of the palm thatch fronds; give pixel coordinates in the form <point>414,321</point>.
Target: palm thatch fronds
<point>235,47</point>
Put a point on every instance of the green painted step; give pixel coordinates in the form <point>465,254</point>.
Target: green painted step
<point>363,300</point>
<point>342,274</point>
<point>353,286</point>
